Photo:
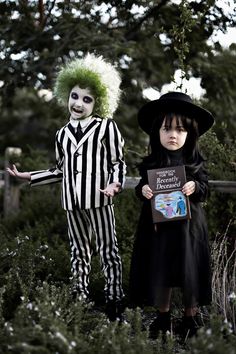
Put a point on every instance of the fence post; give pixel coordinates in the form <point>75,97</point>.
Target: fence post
<point>11,185</point>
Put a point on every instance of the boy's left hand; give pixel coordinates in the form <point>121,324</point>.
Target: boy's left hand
<point>189,188</point>
<point>111,189</point>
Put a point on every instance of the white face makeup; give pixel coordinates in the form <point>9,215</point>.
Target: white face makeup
<point>174,137</point>
<point>81,103</point>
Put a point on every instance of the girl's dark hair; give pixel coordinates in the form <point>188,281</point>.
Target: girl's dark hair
<point>158,156</point>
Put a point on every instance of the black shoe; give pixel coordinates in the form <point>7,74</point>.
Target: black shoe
<point>161,324</point>
<point>190,326</point>
<point>114,310</point>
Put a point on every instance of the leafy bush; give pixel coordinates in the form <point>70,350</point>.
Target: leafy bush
<point>224,277</point>
<point>37,314</point>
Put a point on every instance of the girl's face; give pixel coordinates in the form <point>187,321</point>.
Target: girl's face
<point>81,103</point>
<point>173,137</point>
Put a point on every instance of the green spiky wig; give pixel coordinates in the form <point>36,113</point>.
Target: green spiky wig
<point>97,75</point>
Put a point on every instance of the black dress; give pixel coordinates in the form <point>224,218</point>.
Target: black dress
<point>175,254</point>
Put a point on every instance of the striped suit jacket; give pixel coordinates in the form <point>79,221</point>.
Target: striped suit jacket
<point>87,165</point>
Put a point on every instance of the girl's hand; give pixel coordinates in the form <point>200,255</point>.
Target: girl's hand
<point>189,188</point>
<point>111,189</point>
<point>15,173</point>
<point>147,192</point>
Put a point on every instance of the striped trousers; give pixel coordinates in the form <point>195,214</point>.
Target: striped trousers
<point>82,225</point>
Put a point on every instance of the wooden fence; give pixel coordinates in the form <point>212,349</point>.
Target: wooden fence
<point>220,186</point>
<point>12,187</point>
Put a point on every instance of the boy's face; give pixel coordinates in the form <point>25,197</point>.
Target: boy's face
<point>81,103</point>
<point>173,137</point>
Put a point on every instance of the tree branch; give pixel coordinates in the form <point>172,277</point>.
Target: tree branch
<point>152,12</point>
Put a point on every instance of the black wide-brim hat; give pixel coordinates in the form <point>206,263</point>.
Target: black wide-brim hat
<point>174,102</point>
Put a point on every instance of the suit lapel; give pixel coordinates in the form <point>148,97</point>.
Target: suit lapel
<point>89,130</point>
<point>70,131</point>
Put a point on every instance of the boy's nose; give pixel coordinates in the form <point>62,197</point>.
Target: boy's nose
<point>78,103</point>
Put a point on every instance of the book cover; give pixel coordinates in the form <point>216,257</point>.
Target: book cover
<point>168,201</point>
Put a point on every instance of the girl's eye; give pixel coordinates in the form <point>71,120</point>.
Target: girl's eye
<point>181,129</point>
<point>88,99</point>
<point>74,95</point>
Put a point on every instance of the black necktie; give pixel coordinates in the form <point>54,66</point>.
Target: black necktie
<point>79,132</point>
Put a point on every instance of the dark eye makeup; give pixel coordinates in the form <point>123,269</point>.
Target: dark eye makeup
<point>87,99</point>
<point>74,95</point>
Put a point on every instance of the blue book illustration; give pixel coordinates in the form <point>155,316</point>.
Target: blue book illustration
<point>168,202</point>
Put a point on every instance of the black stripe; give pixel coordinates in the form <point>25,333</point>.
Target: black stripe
<point>60,151</point>
<point>107,134</point>
<point>80,241</point>
<point>94,166</point>
<point>70,175</point>
<point>102,177</point>
<point>83,186</point>
<point>118,156</point>
<point>44,179</point>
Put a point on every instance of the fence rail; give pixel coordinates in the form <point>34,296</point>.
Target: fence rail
<point>220,186</point>
<point>131,182</point>
<point>12,190</point>
<point>11,194</point>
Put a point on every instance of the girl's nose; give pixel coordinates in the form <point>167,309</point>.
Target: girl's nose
<point>173,134</point>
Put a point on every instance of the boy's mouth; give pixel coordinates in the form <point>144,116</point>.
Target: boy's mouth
<point>77,110</point>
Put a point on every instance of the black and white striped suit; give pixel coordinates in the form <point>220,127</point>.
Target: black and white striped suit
<point>84,167</point>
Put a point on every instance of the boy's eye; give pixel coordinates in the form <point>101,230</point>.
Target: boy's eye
<point>88,99</point>
<point>74,95</point>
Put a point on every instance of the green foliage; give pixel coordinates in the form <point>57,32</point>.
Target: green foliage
<point>217,338</point>
<point>221,157</point>
<point>223,254</point>
<point>217,72</point>
<point>179,32</point>
<point>37,314</point>
<point>147,40</point>
<point>51,322</point>
<point>127,209</point>
<point>221,166</point>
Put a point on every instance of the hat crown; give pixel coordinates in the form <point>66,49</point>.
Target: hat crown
<point>174,102</point>
<point>180,96</point>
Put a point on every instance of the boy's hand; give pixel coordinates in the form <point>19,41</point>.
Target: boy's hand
<point>189,188</point>
<point>147,192</point>
<point>15,173</point>
<point>111,189</point>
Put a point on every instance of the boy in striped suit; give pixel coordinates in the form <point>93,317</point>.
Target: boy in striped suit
<point>91,168</point>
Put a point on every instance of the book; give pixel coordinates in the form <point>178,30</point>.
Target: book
<point>168,201</point>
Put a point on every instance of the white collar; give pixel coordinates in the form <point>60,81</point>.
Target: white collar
<point>83,122</point>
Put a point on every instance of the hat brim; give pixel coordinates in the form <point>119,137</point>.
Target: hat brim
<point>151,110</point>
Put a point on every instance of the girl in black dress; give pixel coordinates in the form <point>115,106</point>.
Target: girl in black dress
<point>173,253</point>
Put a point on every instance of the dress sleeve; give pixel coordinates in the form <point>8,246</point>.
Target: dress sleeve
<point>202,188</point>
<point>142,182</point>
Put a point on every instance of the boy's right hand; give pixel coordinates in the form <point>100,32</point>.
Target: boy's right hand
<point>15,173</point>
<point>147,192</point>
